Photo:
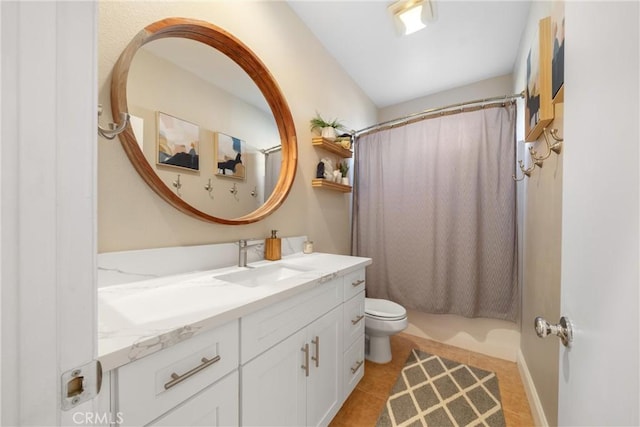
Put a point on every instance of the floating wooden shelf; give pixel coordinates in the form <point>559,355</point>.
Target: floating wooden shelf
<point>323,183</point>
<point>334,147</point>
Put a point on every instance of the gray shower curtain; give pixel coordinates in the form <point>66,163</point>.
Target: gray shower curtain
<point>435,210</point>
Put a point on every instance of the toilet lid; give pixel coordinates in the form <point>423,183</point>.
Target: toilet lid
<point>384,309</point>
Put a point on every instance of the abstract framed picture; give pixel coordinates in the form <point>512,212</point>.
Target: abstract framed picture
<point>178,142</point>
<point>557,46</point>
<point>228,156</point>
<point>538,106</point>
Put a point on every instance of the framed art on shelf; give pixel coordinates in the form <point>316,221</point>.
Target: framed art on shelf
<point>557,46</point>
<point>538,106</point>
<point>228,156</point>
<point>178,142</point>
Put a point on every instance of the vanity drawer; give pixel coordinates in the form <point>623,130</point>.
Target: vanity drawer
<point>353,319</point>
<point>353,366</point>
<point>216,406</point>
<point>148,388</point>
<point>354,283</point>
<point>265,328</point>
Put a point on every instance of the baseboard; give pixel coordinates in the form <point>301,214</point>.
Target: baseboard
<point>539,419</point>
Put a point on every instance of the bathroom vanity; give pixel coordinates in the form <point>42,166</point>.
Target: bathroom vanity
<point>281,343</point>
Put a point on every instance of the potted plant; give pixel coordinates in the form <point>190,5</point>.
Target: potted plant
<point>344,170</point>
<point>327,129</point>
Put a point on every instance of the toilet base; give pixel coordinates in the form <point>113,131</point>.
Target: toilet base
<point>378,349</point>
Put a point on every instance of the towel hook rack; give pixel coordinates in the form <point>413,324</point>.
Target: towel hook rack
<point>113,129</point>
<point>556,147</point>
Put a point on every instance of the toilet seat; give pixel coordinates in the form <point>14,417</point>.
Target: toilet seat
<point>384,309</point>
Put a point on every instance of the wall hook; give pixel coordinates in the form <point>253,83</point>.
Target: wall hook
<point>209,188</point>
<point>178,185</point>
<point>536,161</point>
<point>517,179</point>
<point>234,191</point>
<point>525,172</point>
<point>554,134</point>
<point>556,147</point>
<point>114,129</point>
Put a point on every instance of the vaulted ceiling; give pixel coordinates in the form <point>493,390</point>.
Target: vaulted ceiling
<point>467,42</point>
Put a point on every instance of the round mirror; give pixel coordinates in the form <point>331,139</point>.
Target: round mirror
<point>210,131</point>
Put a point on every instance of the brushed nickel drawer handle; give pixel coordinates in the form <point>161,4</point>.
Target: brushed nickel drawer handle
<point>357,319</point>
<point>305,350</point>
<point>355,368</point>
<point>177,379</point>
<point>316,358</point>
<point>357,283</point>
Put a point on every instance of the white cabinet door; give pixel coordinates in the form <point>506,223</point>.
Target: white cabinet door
<point>324,384</point>
<point>279,390</point>
<point>213,407</point>
<point>274,385</point>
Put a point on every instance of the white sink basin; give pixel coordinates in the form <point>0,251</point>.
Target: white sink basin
<point>263,275</point>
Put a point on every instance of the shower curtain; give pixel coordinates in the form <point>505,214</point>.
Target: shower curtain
<point>435,210</point>
<point>273,161</point>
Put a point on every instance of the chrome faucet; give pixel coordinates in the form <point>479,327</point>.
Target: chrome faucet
<point>243,245</point>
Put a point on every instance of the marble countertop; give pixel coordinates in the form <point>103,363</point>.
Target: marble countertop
<point>141,318</point>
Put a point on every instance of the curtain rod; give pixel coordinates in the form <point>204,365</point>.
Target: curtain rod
<point>271,149</point>
<point>415,116</point>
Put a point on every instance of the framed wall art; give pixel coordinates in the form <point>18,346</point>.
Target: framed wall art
<point>228,156</point>
<point>557,46</point>
<point>178,142</point>
<point>538,106</point>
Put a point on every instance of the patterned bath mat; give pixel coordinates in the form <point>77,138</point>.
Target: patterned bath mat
<point>434,391</point>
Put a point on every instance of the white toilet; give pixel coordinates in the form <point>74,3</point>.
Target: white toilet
<point>383,318</point>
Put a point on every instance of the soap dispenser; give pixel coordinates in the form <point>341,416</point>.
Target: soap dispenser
<point>272,247</point>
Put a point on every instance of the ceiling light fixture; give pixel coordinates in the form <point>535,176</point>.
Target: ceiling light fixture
<point>410,16</point>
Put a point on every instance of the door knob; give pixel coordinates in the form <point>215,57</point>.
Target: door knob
<point>563,329</point>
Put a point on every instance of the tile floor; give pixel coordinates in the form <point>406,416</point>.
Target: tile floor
<point>365,403</point>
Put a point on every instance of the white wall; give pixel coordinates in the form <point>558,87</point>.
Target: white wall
<point>540,224</point>
<point>131,216</point>
<point>497,86</point>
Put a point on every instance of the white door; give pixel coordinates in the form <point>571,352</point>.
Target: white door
<point>48,206</point>
<point>598,376</point>
<point>324,385</point>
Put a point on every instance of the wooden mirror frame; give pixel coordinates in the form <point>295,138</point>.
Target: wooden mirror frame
<point>233,48</point>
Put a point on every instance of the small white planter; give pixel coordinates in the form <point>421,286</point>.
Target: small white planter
<point>329,133</point>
